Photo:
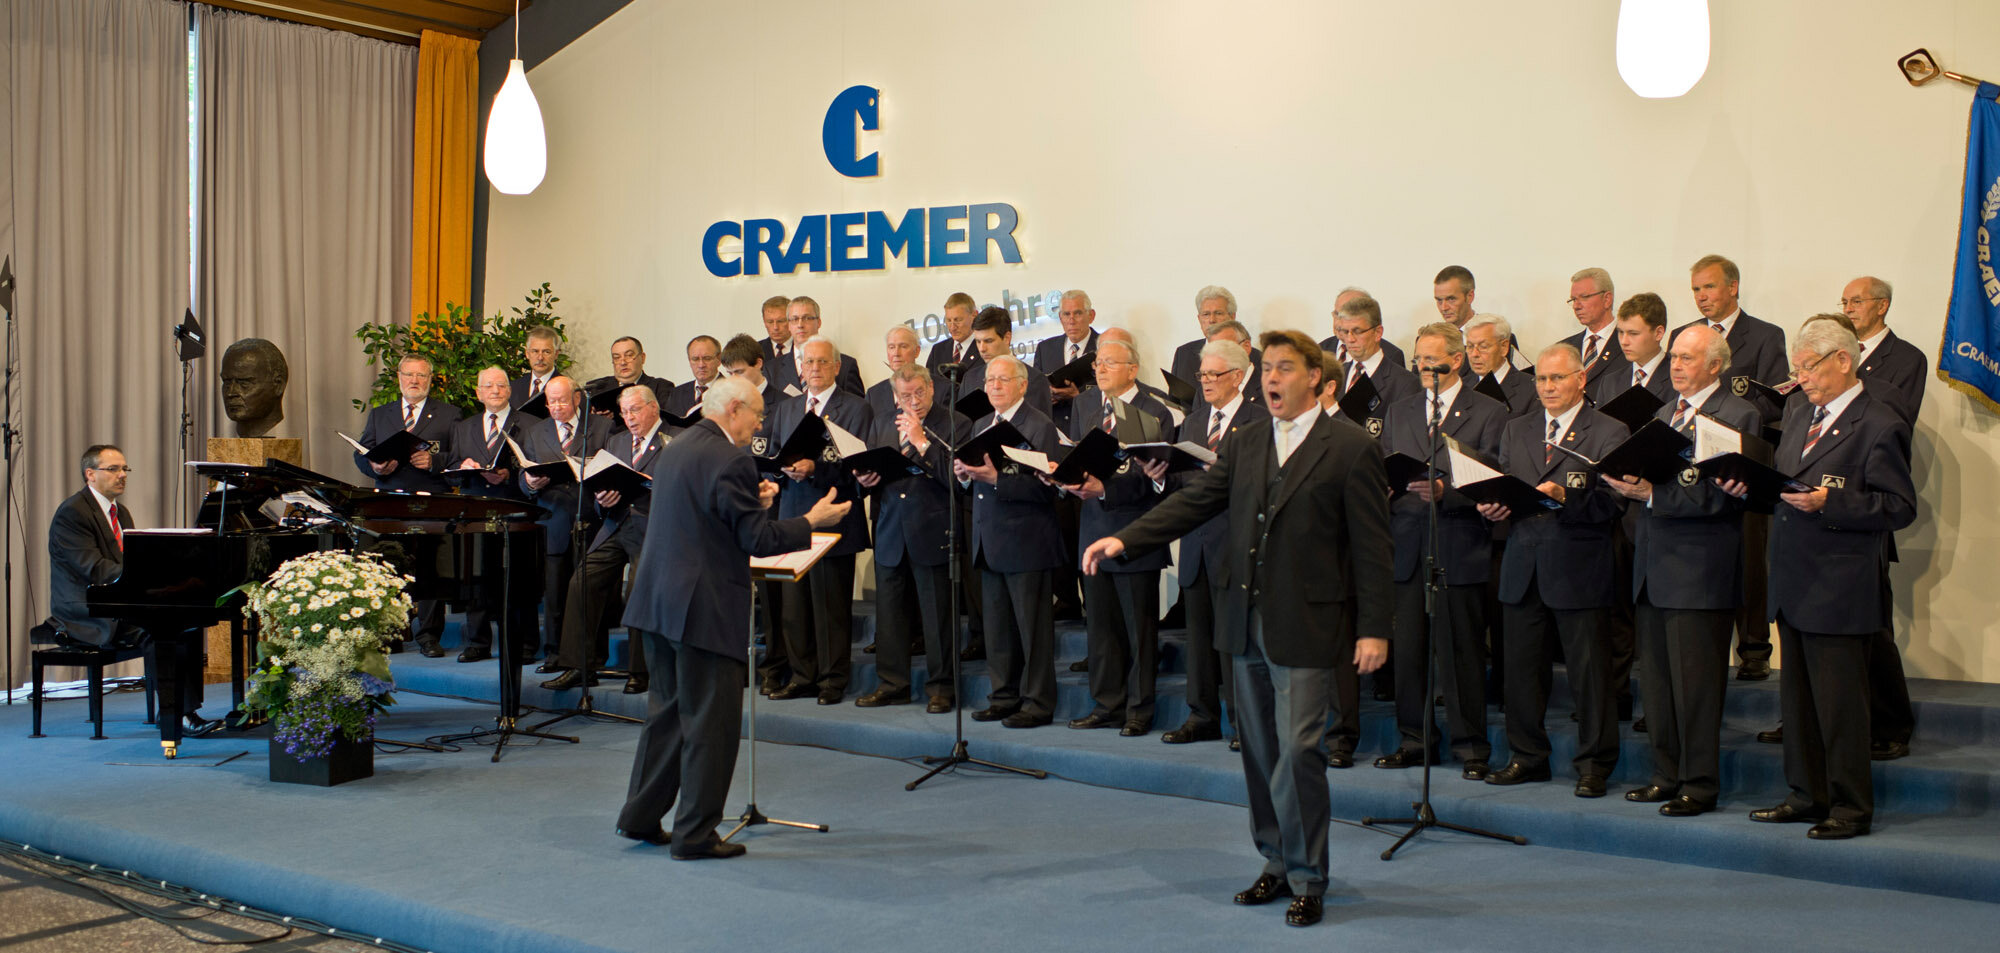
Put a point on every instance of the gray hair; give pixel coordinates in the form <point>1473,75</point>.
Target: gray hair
<point>95,454</point>
<point>728,390</point>
<point>1453,338</point>
<point>1825,337</point>
<point>1718,348</point>
<point>1232,355</point>
<point>645,394</point>
<point>1877,288</point>
<point>1501,328</point>
<point>1564,348</point>
<point>900,329</point>
<point>1230,325</point>
<point>1080,295</point>
<point>1131,353</point>
<point>1215,291</point>
<point>1362,307</point>
<point>912,371</point>
<point>1597,276</point>
<point>1019,372</point>
<point>835,348</point>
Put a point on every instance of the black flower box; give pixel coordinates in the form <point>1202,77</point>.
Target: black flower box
<point>349,761</point>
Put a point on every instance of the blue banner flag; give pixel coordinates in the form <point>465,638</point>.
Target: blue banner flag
<point>1969,359</point>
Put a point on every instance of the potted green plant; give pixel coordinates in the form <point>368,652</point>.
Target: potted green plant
<point>459,344</point>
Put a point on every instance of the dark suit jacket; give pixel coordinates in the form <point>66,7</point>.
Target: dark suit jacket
<point>913,514</point>
<point>941,355</point>
<point>1519,385</point>
<point>627,521</point>
<point>850,412</point>
<point>1013,521</point>
<point>1039,396</point>
<point>662,389</point>
<point>83,553</point>
<point>467,438</point>
<point>692,578</point>
<point>1757,352</point>
<point>434,424</point>
<point>769,348</point>
<point>1203,546</point>
<point>1827,567</point>
<point>1309,544</point>
<point>1607,387</point>
<point>1687,547</point>
<point>1391,354</point>
<point>1393,382</point>
<point>1566,552</point>
<point>786,372</point>
<point>519,387</point>
<point>1610,357</point>
<point>882,402</point>
<point>1896,372</point>
<point>1187,367</point>
<point>1475,420</point>
<point>1052,354</point>
<point>1130,492</point>
<point>681,399</point>
<point>559,500</point>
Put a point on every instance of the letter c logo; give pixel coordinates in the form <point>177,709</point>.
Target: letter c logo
<point>837,133</point>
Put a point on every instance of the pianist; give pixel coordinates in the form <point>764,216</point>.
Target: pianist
<point>87,548</point>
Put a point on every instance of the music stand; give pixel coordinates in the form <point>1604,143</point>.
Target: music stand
<point>189,343</point>
<point>507,723</point>
<point>789,567</point>
<point>578,544</point>
<point>9,438</point>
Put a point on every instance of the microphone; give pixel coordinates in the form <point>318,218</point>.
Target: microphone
<point>1434,368</point>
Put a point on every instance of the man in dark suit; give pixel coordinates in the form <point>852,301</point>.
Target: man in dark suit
<point>956,346</point>
<point>690,603</point>
<point>1213,304</point>
<point>818,624</point>
<point>594,586</point>
<point>993,335</point>
<point>1053,354</point>
<point>1123,624</point>
<point>741,357</point>
<point>567,433</point>
<point>704,355</point>
<point>1757,352</point>
<point>1828,546</point>
<point>1223,410</point>
<point>87,548</point>
<point>802,315</point>
<point>430,420</point>
<point>543,346</point>
<point>475,444</point>
<point>1453,290</point>
<point>1489,352</point>
<point>1557,576</point>
<point>628,366</point>
<point>1309,556</point>
<point>1391,354</point>
<point>1017,548</point>
<point>1463,559</point>
<point>1687,574</point>
<point>900,347</point>
<point>777,340</point>
<point>1590,300</point>
<point>912,522</point>
<point>1359,326</point>
<point>1233,331</point>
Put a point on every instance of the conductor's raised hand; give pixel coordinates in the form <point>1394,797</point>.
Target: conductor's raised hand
<point>767,493</point>
<point>826,512</point>
<point>1110,547</point>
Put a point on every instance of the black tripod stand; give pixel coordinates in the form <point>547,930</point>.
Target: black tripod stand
<point>1424,815</point>
<point>954,536</point>
<point>752,816</point>
<point>578,544</point>
<point>9,438</point>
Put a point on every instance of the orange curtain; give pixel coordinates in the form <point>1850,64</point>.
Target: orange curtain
<point>446,157</point>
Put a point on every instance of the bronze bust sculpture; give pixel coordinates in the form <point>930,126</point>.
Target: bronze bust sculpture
<point>254,374</point>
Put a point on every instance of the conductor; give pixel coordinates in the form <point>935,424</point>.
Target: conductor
<point>691,603</point>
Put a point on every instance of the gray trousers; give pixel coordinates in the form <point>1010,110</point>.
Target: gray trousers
<point>910,605</point>
<point>687,748</point>
<point>1282,714</point>
<point>1021,640</point>
<point>1123,618</point>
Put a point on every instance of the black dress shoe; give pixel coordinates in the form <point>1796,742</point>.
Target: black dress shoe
<point>636,684</point>
<point>1080,665</point>
<point>1753,670</point>
<point>974,651</point>
<point>1590,785</point>
<point>1236,744</point>
<point>883,696</point>
<point>1786,814</point>
<point>430,649</point>
<point>1888,750</point>
<point>1304,911</point>
<point>795,690</point>
<point>868,649</point>
<point>198,726</point>
<point>1650,794</point>
<point>938,705</point>
<point>1775,736</point>
<point>1837,830</point>
<point>655,837</point>
<point>993,713</point>
<point>1096,719</point>
<point>1476,771</point>
<point>1685,806</point>
<point>1639,726</point>
<point>1403,758</point>
<point>832,696</point>
<point>718,850</point>
<point>1189,732</point>
<point>550,666</point>
<point>1268,887</point>
<point>1135,729</point>
<point>475,654</point>
<point>1517,773</point>
<point>569,680</point>
<point>1339,759</point>
<point>1022,719</point>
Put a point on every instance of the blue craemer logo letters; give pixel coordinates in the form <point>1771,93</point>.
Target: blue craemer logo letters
<point>837,133</point>
<point>926,237</point>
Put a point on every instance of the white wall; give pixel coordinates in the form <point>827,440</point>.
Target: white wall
<point>1285,150</point>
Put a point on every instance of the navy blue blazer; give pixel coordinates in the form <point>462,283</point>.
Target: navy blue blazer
<point>559,501</point>
<point>1757,352</point>
<point>1827,567</point>
<point>913,515</point>
<point>1519,386</point>
<point>1052,354</point>
<point>1039,396</point>
<point>1902,367</point>
<point>941,355</point>
<point>1393,382</point>
<point>786,372</point>
<point>433,424</point>
<point>83,553</point>
<point>1391,354</point>
<point>1567,552</point>
<point>691,582</point>
<point>681,399</point>
<point>1130,492</point>
<point>626,522</point>
<point>1687,545</point>
<point>1013,521</point>
<point>468,439</point>
<point>1187,367</point>
<point>850,412</point>
<point>1202,546</point>
<point>1475,420</point>
<point>1606,388</point>
<point>1610,357</point>
<point>519,391</point>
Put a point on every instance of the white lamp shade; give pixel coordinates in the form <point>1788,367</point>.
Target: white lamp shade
<point>517,149</point>
<point>1662,45</point>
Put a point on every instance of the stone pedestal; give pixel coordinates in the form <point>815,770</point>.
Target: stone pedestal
<point>242,450</point>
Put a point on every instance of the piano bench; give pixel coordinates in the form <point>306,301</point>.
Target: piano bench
<point>90,658</point>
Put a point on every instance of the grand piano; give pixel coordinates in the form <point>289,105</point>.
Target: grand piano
<point>255,519</point>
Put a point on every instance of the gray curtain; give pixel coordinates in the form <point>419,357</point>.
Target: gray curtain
<point>95,193</point>
<point>304,217</point>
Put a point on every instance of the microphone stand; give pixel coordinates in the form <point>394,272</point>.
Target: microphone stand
<point>960,753</point>
<point>10,437</point>
<point>585,707</point>
<point>1424,815</point>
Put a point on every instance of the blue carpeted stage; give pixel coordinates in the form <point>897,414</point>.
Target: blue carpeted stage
<point>1136,845</point>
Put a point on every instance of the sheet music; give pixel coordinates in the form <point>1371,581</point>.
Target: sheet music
<point>844,443</point>
<point>1030,458</point>
<point>796,562</point>
<point>604,460</point>
<point>792,390</point>
<point>356,444</point>
<point>1466,470</point>
<point>1712,438</point>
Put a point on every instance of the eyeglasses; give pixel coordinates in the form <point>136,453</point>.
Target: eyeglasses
<point>815,360</point>
<point>1555,378</point>
<point>1212,376</point>
<point>120,469</point>
<point>1846,303</point>
<point>1801,370</point>
<point>1573,299</point>
<point>1354,332</point>
<point>1481,346</point>
<point>1100,362</point>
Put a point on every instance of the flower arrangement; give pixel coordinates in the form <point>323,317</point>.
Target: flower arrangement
<point>321,669</point>
<point>459,344</point>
